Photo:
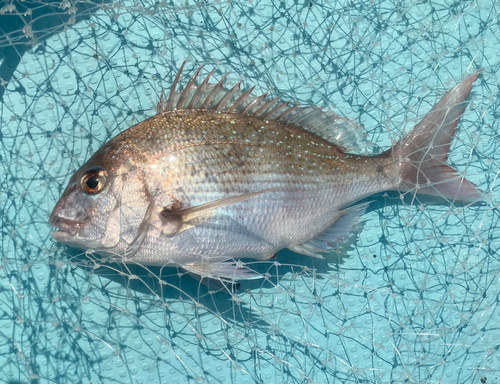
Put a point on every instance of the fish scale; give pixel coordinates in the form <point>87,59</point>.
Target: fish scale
<point>218,175</point>
<point>321,159</point>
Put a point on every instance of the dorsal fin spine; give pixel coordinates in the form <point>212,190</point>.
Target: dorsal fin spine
<point>207,102</point>
<point>189,86</point>
<point>286,113</point>
<point>302,118</point>
<point>159,106</point>
<point>196,96</point>
<point>277,108</point>
<point>254,101</point>
<point>312,127</point>
<point>227,96</point>
<point>169,106</point>
<point>266,105</point>
<point>235,105</point>
<point>311,124</point>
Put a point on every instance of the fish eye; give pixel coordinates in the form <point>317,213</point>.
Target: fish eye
<point>93,181</point>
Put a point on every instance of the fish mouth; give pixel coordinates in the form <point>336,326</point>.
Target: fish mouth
<point>66,228</point>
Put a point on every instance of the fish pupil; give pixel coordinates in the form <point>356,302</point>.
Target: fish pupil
<point>92,182</point>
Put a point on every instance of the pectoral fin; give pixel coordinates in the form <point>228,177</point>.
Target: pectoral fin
<point>178,221</point>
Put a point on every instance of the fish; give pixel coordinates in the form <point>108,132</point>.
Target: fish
<point>218,176</point>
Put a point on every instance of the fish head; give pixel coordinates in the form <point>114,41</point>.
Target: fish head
<point>91,213</point>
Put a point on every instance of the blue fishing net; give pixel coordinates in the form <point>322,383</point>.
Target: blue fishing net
<point>414,298</point>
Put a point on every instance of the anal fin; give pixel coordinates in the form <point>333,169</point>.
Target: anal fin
<point>216,285</point>
<point>336,234</point>
<point>227,270</point>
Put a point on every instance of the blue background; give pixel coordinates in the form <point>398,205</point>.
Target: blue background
<point>414,299</point>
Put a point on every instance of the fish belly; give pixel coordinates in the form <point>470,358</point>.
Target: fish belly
<point>256,229</point>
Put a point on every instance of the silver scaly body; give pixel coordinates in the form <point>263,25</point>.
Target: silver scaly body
<point>218,175</point>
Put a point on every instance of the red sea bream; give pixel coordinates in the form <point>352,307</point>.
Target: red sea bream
<point>218,175</point>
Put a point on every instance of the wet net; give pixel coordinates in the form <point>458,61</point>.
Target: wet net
<point>413,299</point>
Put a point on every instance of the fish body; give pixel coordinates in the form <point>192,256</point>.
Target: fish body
<point>217,176</point>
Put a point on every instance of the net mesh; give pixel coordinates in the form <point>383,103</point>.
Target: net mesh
<point>414,299</point>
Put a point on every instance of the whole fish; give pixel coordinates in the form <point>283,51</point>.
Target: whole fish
<point>218,175</point>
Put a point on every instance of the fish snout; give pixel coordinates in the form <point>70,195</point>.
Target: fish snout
<point>66,227</point>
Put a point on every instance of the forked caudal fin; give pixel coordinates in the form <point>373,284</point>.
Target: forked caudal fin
<point>423,152</point>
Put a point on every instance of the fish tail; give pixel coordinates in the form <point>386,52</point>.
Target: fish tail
<point>421,154</point>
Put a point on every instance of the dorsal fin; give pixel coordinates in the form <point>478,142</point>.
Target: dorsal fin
<point>326,124</point>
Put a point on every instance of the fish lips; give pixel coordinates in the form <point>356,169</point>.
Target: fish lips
<point>66,228</point>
